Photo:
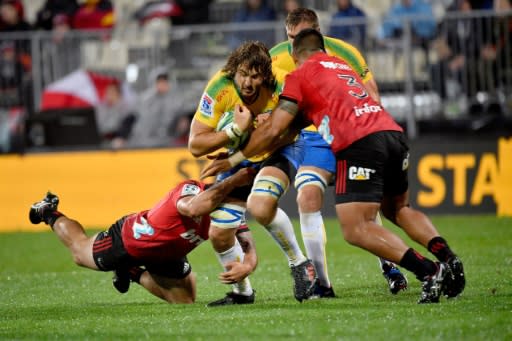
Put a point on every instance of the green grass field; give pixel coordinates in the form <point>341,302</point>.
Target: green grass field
<point>45,296</point>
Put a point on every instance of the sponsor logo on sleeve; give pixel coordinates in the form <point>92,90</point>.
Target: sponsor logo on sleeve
<point>190,189</point>
<point>206,105</point>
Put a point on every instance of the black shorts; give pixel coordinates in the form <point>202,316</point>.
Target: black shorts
<point>280,161</point>
<point>109,254</point>
<point>372,167</point>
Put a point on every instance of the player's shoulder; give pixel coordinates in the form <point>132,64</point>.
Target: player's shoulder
<point>340,47</point>
<point>218,82</point>
<point>281,48</point>
<point>279,73</point>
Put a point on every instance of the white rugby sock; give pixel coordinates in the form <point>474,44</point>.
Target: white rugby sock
<point>281,229</point>
<point>313,235</point>
<point>232,254</point>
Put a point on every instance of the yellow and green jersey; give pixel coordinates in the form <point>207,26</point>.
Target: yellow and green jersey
<point>282,58</point>
<point>221,96</point>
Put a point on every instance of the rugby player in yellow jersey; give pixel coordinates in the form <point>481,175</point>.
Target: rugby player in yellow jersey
<point>317,169</point>
<point>247,78</point>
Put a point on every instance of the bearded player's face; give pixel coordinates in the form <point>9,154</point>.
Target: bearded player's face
<point>248,81</point>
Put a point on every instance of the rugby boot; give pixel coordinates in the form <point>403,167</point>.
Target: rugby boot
<point>396,280</point>
<point>305,279</point>
<point>231,298</point>
<point>37,211</point>
<point>434,285</point>
<point>319,291</point>
<point>456,281</point>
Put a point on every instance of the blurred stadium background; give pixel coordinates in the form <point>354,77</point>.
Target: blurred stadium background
<point>459,127</point>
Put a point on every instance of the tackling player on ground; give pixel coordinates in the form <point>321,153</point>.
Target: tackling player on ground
<point>153,244</point>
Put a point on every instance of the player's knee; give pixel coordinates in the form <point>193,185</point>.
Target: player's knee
<point>263,211</point>
<point>181,300</point>
<point>353,234</point>
<point>310,199</point>
<point>78,259</point>
<point>310,187</point>
<point>265,193</point>
<point>392,212</point>
<point>221,239</point>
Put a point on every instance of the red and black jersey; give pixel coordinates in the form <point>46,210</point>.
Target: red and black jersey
<point>162,233</point>
<point>331,95</point>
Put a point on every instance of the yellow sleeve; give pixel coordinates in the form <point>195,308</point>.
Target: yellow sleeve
<point>214,100</point>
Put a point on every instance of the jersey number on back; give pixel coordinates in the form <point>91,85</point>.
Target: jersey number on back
<point>142,228</point>
<point>351,81</point>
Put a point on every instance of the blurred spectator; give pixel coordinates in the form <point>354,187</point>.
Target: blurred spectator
<point>194,11</point>
<point>288,6</point>
<point>115,117</point>
<point>422,29</point>
<point>94,14</point>
<point>254,11</point>
<point>12,16</point>
<point>15,60</point>
<point>355,33</point>
<point>461,48</point>
<point>158,9</point>
<point>45,17</point>
<point>483,4</point>
<point>14,77</point>
<point>62,54</point>
<point>161,120</point>
<point>499,50</point>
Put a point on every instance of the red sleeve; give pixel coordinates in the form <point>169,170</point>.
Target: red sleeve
<point>168,203</point>
<point>291,89</point>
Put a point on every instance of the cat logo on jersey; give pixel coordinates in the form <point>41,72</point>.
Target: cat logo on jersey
<point>360,173</point>
<point>190,189</point>
<point>206,106</point>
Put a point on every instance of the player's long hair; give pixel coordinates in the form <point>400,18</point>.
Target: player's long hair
<point>300,15</point>
<point>254,55</point>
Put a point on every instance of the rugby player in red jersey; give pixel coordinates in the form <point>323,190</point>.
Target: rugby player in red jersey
<point>372,158</point>
<point>154,243</point>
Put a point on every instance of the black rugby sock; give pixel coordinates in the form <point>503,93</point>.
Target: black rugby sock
<point>135,273</point>
<point>422,267</point>
<point>439,248</point>
<point>50,216</point>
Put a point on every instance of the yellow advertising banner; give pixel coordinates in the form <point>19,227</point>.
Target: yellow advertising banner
<point>505,177</point>
<point>95,188</point>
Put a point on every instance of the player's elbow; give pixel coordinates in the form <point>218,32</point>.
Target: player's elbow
<point>197,209</point>
<point>195,148</point>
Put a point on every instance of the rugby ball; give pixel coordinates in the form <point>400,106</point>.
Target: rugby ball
<point>225,122</point>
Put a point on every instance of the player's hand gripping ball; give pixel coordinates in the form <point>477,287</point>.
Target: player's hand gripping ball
<point>237,139</point>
